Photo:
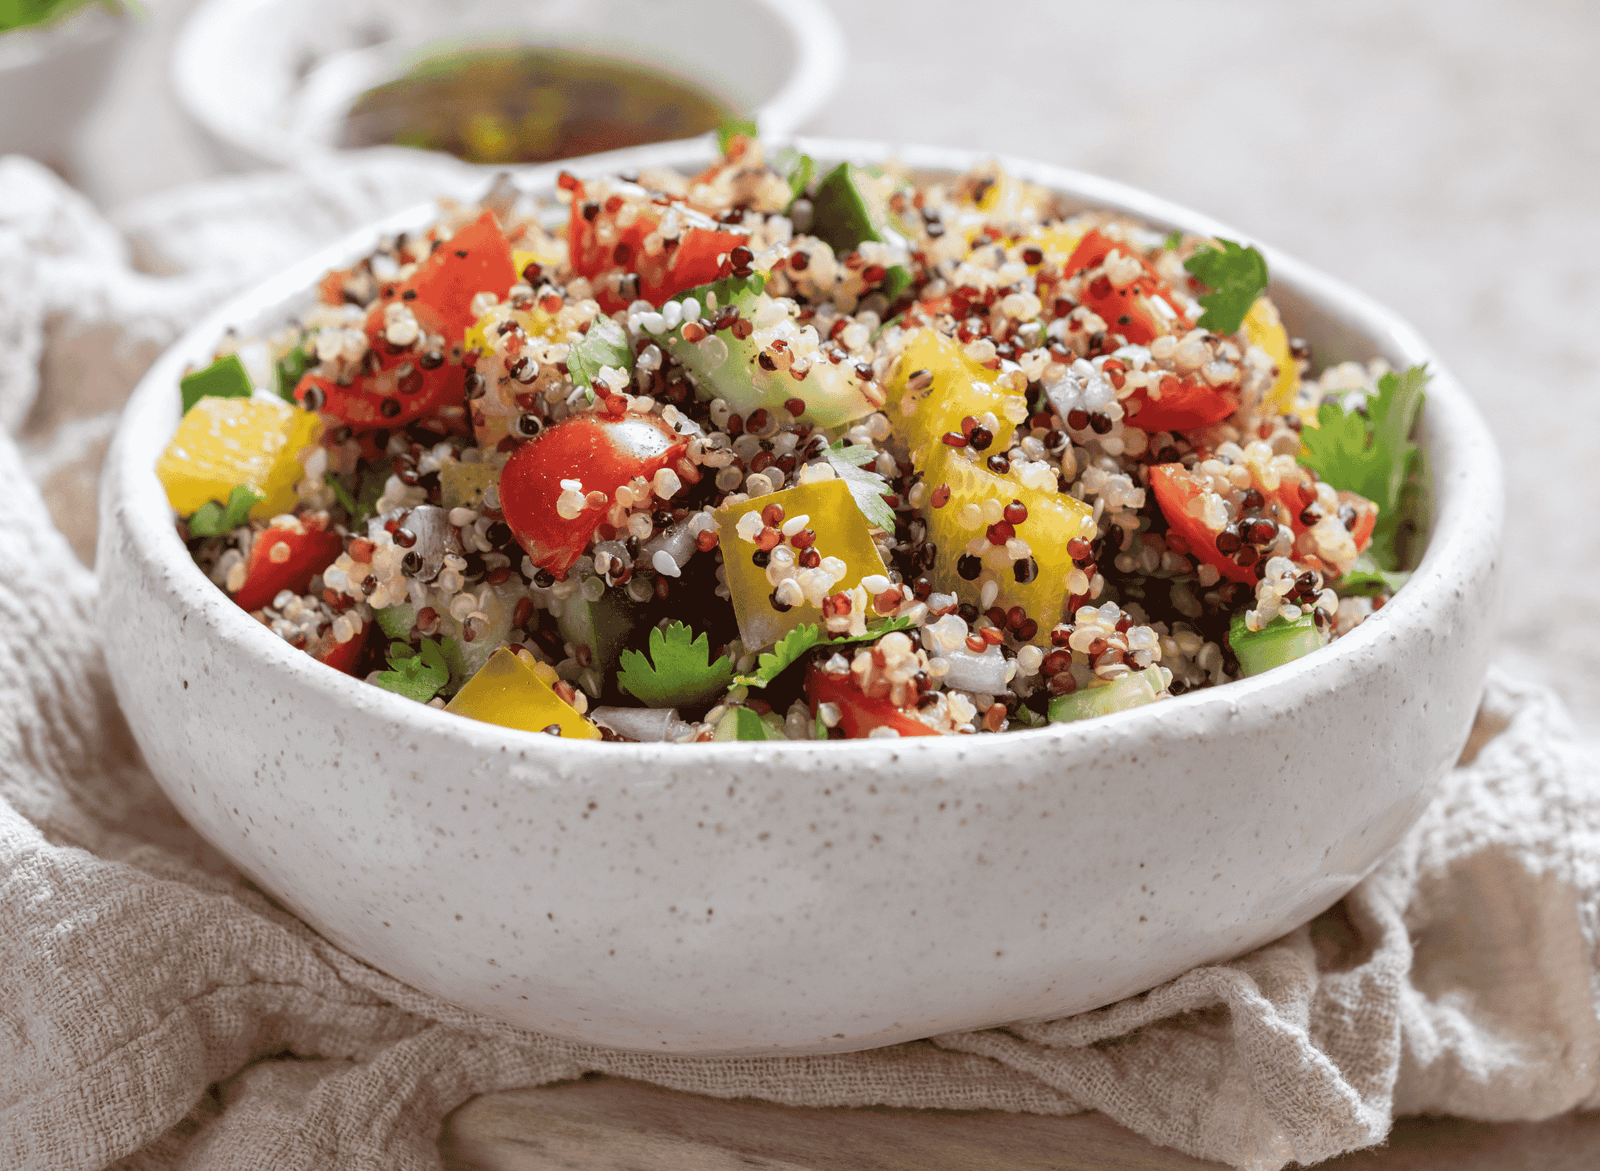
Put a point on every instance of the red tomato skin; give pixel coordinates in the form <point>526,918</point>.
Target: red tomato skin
<point>1366,518</point>
<point>1174,488</point>
<point>1183,408</point>
<point>593,447</point>
<point>310,552</point>
<point>859,714</point>
<point>342,656</point>
<point>1113,303</point>
<point>477,259</point>
<point>699,257</point>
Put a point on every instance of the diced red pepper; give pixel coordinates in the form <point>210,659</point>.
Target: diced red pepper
<point>1175,486</point>
<point>859,713</point>
<point>699,256</point>
<point>309,552</point>
<point>603,452</point>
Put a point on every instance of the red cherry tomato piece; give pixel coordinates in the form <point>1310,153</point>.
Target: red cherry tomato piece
<point>1175,487</point>
<point>307,554</point>
<point>387,399</point>
<point>859,714</point>
<point>341,656</point>
<point>1183,405</point>
<point>699,256</point>
<point>600,450</point>
<point>1127,309</point>
<point>477,259</point>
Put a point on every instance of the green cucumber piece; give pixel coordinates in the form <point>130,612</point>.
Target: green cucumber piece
<point>1278,642</point>
<point>1133,690</point>
<point>602,625</point>
<point>849,209</point>
<point>726,367</point>
<point>740,723</point>
<point>224,378</point>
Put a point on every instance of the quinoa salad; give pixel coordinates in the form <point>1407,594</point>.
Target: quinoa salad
<point>779,451</point>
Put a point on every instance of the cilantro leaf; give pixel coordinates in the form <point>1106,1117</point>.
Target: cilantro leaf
<point>1374,456</point>
<point>803,638</point>
<point>606,344</point>
<point>734,126</point>
<point>415,675</point>
<point>866,485</point>
<point>212,519</point>
<point>1236,275</point>
<point>679,671</point>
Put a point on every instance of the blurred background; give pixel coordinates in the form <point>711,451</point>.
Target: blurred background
<point>1442,157</point>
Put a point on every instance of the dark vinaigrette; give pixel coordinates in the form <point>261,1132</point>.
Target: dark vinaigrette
<point>530,105</point>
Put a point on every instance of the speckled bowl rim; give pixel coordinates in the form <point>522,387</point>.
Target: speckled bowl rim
<point>1465,464</point>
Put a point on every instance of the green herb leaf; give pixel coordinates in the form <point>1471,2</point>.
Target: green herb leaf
<point>224,378</point>
<point>792,646</point>
<point>866,485</point>
<point>679,671</point>
<point>733,126</point>
<point>291,368</point>
<point>415,675</point>
<point>1174,240</point>
<point>212,519</point>
<point>1236,275</point>
<point>606,344</point>
<point>1026,717</point>
<point>1374,456</point>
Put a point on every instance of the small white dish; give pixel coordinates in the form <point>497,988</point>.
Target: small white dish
<point>803,897</point>
<point>50,78</point>
<point>269,81</point>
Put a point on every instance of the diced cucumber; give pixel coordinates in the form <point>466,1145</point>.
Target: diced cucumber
<point>603,625</point>
<point>727,367</point>
<point>741,723</point>
<point>1133,690</point>
<point>852,205</point>
<point>1278,642</point>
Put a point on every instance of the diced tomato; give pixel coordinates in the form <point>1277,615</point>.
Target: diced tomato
<point>309,552</point>
<point>1366,518</point>
<point>600,450</point>
<point>859,714</point>
<point>1127,309</point>
<point>699,256</point>
<point>341,656</point>
<point>1295,493</point>
<point>1175,486</point>
<point>1183,405</point>
<point>477,259</point>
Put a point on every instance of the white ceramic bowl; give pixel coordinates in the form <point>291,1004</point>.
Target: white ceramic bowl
<point>269,81</point>
<point>751,898</point>
<point>50,78</point>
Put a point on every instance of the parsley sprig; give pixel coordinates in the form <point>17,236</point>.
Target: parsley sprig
<point>1236,276</point>
<point>679,671</point>
<point>415,674</point>
<point>1372,454</point>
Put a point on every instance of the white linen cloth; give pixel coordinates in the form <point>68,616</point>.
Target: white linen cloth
<point>156,1011</point>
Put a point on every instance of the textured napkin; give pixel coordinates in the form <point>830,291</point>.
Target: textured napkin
<point>157,1011</point>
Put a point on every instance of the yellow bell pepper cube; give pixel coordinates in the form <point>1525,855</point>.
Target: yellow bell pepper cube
<point>841,532</point>
<point>935,386</point>
<point>509,692</point>
<point>223,443</point>
<point>1264,328</point>
<point>971,501</point>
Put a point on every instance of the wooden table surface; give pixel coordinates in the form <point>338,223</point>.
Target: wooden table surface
<point>609,1124</point>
